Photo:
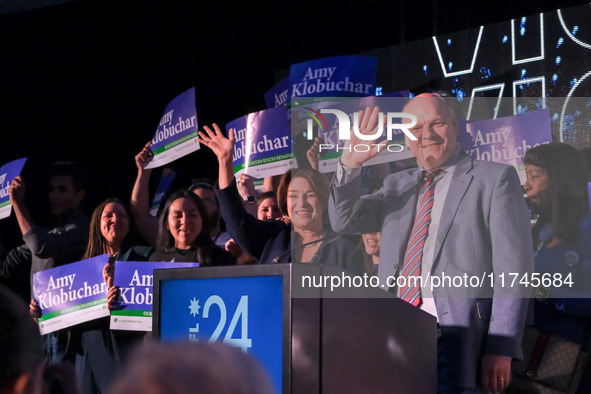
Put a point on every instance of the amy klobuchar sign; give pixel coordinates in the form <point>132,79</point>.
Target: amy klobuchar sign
<point>134,279</point>
<point>277,95</point>
<point>176,135</point>
<point>263,143</point>
<point>71,294</point>
<point>8,172</point>
<point>341,76</point>
<point>505,140</point>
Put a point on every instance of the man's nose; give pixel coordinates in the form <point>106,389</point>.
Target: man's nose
<point>427,132</point>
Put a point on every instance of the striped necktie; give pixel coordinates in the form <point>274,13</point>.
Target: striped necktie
<point>411,268</point>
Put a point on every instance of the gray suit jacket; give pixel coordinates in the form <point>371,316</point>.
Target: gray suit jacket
<point>484,232</point>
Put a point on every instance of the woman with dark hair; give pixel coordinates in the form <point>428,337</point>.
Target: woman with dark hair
<point>302,196</point>
<point>557,193</point>
<point>102,352</point>
<point>183,233</point>
<point>267,207</point>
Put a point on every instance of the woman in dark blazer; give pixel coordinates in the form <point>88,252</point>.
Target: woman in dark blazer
<point>302,196</point>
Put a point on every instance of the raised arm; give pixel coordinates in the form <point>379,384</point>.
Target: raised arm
<point>249,232</point>
<point>16,191</point>
<point>140,205</point>
<point>368,124</point>
<point>223,148</point>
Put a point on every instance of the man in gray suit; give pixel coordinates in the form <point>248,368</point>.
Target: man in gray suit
<point>474,223</point>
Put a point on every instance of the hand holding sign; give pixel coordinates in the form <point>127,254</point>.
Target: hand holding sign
<point>245,185</point>
<point>16,191</point>
<point>368,125</point>
<point>34,309</point>
<point>113,297</point>
<point>144,157</point>
<point>313,154</point>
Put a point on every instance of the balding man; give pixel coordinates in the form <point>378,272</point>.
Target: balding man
<point>451,216</point>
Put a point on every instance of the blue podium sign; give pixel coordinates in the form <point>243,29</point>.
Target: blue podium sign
<point>244,311</point>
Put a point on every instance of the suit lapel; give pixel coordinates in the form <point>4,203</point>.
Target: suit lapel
<point>457,189</point>
<point>400,214</point>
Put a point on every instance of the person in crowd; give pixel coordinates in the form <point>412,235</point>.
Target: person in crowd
<point>556,188</point>
<point>302,196</point>
<point>21,358</point>
<point>260,205</point>
<point>192,367</point>
<point>371,256</point>
<point>205,190</point>
<point>250,196</point>
<point>148,224</point>
<point>102,351</point>
<point>60,243</point>
<point>267,207</point>
<point>471,219</point>
<point>183,233</point>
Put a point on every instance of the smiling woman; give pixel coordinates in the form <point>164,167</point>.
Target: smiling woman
<point>302,196</point>
<point>183,233</point>
<point>112,231</point>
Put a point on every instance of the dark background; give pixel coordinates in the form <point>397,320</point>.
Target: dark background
<point>88,80</point>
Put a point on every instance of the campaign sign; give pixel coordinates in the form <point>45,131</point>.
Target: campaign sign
<point>135,281</point>
<point>71,294</point>
<point>166,179</point>
<point>331,119</point>
<point>263,143</point>
<point>341,76</point>
<point>176,135</point>
<point>277,95</point>
<point>246,312</point>
<point>505,140</point>
<point>8,172</point>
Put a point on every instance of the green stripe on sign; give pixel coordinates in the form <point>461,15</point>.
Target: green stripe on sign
<point>331,155</point>
<point>266,160</point>
<point>71,309</point>
<point>5,203</point>
<point>130,312</point>
<point>175,143</point>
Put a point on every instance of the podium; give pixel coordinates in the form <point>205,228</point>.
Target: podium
<point>314,329</point>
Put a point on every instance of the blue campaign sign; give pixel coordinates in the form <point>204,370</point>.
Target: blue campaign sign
<point>277,95</point>
<point>168,175</point>
<point>246,312</point>
<point>8,172</point>
<point>71,294</point>
<point>505,140</point>
<point>263,143</point>
<point>341,76</point>
<point>135,281</point>
<point>176,135</point>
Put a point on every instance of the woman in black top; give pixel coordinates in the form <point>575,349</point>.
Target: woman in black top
<point>183,233</point>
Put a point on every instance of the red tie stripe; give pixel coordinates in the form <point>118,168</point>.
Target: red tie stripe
<point>411,268</point>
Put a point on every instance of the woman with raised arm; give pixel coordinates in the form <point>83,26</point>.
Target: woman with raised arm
<point>302,196</point>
